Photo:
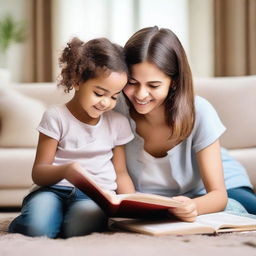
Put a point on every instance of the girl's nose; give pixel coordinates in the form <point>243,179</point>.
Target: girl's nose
<point>104,102</point>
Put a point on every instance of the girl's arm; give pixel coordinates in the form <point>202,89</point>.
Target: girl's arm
<point>123,180</point>
<point>43,172</point>
<point>210,165</point>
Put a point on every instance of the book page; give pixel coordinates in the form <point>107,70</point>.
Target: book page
<point>149,198</point>
<point>225,220</point>
<point>204,224</point>
<point>164,227</point>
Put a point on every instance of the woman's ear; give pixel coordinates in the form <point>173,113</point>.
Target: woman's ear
<point>173,85</point>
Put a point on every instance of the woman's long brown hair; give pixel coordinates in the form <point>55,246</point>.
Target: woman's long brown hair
<point>162,48</point>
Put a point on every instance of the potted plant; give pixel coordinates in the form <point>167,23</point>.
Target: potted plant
<point>10,32</point>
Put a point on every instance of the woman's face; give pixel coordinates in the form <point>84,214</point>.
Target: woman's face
<point>147,87</point>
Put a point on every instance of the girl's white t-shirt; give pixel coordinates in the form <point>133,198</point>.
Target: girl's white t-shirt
<point>89,145</point>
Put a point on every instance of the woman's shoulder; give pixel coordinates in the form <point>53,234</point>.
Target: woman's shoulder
<point>201,102</point>
<point>203,107</point>
<point>208,127</point>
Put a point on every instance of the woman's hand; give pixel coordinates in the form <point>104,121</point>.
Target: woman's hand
<point>187,211</point>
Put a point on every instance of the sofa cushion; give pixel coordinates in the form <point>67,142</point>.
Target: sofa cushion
<point>247,157</point>
<point>234,100</point>
<point>12,197</point>
<point>16,166</point>
<point>48,93</point>
<point>20,116</point>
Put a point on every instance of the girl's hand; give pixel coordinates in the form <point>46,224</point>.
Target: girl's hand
<point>187,211</point>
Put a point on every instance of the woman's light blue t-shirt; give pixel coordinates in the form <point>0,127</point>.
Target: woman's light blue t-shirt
<point>183,165</point>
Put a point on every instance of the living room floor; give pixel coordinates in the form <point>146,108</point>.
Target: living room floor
<point>122,243</point>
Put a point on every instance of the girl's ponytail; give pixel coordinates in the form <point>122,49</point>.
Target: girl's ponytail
<point>69,61</point>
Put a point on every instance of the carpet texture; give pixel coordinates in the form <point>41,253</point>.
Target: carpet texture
<point>127,244</point>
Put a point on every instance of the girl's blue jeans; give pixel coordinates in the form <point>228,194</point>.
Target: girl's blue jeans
<point>58,211</point>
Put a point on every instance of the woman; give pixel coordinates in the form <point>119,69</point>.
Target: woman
<point>176,150</point>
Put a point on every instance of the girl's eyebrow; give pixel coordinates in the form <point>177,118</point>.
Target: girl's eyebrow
<point>105,90</point>
<point>101,88</point>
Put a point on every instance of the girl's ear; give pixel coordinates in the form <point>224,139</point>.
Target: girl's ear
<point>76,87</point>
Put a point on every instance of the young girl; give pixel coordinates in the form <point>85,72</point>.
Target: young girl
<point>176,150</point>
<point>81,136</point>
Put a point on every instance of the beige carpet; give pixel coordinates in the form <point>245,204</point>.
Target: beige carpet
<point>126,244</point>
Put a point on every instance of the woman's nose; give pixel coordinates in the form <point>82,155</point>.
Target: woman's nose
<point>141,93</point>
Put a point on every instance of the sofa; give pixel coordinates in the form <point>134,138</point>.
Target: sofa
<point>22,105</point>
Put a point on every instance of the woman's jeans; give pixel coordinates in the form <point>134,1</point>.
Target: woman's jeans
<point>58,211</point>
<point>245,196</point>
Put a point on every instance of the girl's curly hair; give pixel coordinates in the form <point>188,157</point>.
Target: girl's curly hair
<point>82,61</point>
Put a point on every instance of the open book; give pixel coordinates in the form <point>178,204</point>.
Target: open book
<point>212,223</point>
<point>123,205</point>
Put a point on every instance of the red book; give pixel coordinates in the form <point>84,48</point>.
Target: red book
<point>124,205</point>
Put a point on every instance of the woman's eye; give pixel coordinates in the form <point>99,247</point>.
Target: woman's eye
<point>114,98</point>
<point>153,86</point>
<point>98,94</point>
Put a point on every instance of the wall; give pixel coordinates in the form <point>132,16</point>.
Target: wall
<point>18,57</point>
<point>172,14</point>
<point>115,19</point>
<point>88,19</point>
<point>201,37</point>
<point>191,20</point>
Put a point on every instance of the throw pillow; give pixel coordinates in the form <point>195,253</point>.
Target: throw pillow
<point>20,116</point>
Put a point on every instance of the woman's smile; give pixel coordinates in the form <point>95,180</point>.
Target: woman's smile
<point>142,102</point>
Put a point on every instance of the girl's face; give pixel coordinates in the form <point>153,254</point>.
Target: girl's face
<point>98,95</point>
<point>147,87</point>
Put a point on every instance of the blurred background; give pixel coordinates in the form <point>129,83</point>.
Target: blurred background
<point>219,36</point>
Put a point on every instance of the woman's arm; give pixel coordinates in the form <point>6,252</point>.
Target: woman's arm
<point>43,172</point>
<point>123,180</point>
<point>210,165</point>
<point>211,170</point>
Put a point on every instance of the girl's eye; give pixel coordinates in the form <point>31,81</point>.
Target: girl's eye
<point>98,94</point>
<point>132,82</point>
<point>115,97</point>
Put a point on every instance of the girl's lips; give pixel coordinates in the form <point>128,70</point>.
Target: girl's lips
<point>99,109</point>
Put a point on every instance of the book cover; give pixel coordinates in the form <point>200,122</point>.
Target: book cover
<point>124,205</point>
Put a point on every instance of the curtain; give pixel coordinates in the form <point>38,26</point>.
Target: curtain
<point>235,37</point>
<point>41,41</point>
